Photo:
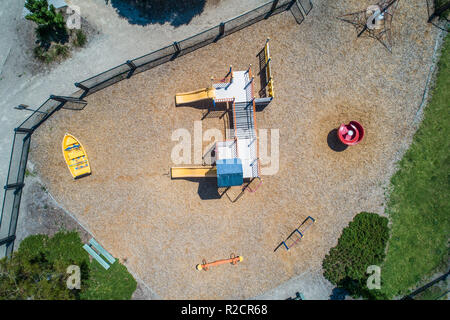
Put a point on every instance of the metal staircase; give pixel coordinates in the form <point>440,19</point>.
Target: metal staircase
<point>243,114</point>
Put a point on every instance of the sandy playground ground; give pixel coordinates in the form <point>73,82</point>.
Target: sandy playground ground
<point>161,228</point>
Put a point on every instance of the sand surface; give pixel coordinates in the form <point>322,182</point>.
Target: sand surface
<point>323,77</point>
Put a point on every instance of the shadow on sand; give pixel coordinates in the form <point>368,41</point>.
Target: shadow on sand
<point>144,12</point>
<point>334,143</point>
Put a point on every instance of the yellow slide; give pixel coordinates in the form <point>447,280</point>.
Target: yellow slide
<point>197,95</point>
<point>193,172</point>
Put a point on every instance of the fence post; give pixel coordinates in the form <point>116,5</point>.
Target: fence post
<point>274,6</point>
<point>16,186</point>
<point>24,130</point>
<point>7,240</point>
<point>222,29</point>
<point>131,64</point>
<point>79,85</point>
<point>177,47</point>
<point>58,98</point>
<point>132,68</point>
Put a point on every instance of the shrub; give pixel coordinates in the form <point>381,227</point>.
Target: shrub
<point>61,50</point>
<point>361,244</point>
<point>49,55</point>
<point>80,38</point>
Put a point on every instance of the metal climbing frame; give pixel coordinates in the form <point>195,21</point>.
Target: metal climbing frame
<point>297,234</point>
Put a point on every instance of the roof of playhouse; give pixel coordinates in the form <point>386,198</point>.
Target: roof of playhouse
<point>229,172</point>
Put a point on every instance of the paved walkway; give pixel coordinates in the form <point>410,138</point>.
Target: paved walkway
<point>311,284</point>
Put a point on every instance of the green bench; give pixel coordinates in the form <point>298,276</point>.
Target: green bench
<point>101,251</point>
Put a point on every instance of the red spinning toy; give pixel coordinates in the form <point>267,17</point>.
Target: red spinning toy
<point>351,133</point>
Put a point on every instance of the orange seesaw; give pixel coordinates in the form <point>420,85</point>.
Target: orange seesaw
<point>233,260</point>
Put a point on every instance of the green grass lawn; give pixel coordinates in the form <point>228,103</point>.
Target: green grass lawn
<point>112,284</point>
<point>419,202</point>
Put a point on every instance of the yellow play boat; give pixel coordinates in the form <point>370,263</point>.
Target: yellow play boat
<point>75,156</point>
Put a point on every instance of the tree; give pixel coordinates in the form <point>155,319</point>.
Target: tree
<point>38,270</point>
<point>360,245</point>
<point>50,24</point>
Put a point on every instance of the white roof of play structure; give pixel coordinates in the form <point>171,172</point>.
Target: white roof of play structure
<point>240,89</point>
<point>245,149</point>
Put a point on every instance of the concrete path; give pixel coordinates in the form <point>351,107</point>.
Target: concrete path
<point>311,284</point>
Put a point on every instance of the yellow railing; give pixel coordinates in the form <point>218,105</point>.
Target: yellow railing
<point>268,70</point>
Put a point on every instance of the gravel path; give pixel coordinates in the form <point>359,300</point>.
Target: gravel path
<point>310,283</point>
<point>323,77</point>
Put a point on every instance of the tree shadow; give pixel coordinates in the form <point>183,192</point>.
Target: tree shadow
<point>334,143</point>
<point>338,294</point>
<point>144,12</point>
<point>46,35</point>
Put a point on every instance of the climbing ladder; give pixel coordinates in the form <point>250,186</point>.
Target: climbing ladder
<point>297,234</point>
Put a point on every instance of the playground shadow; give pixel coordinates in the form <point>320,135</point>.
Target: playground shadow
<point>145,12</point>
<point>207,189</point>
<point>334,143</point>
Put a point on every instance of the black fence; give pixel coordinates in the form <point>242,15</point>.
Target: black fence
<point>433,290</point>
<point>193,43</point>
<point>23,133</point>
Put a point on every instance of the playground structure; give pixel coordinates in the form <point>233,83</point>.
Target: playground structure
<point>350,134</point>
<point>233,260</point>
<point>374,22</point>
<point>297,234</point>
<point>237,158</point>
<point>193,172</point>
<point>194,96</point>
<point>268,70</point>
